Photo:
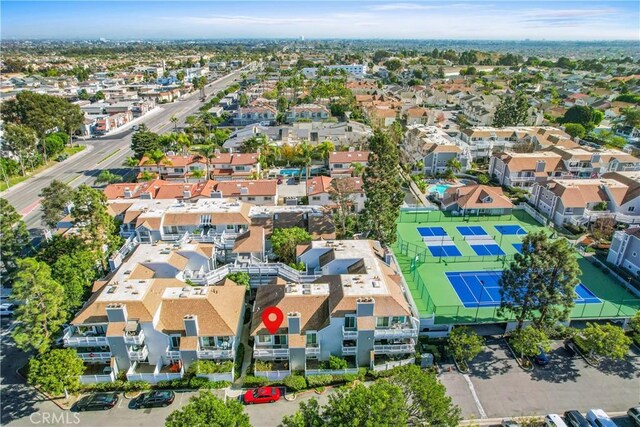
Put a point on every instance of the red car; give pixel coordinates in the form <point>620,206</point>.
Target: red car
<point>262,395</point>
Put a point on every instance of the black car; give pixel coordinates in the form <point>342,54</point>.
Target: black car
<point>97,402</point>
<point>569,349</point>
<point>576,419</point>
<point>155,398</point>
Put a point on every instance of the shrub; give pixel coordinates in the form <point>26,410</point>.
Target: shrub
<point>197,383</point>
<point>163,384</point>
<point>251,381</point>
<point>210,367</point>
<point>261,365</point>
<point>319,380</point>
<point>337,363</point>
<point>136,385</point>
<point>295,382</point>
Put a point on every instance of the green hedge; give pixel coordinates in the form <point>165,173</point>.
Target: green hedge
<point>251,381</point>
<point>319,380</point>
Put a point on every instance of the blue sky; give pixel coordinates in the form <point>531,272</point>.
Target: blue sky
<point>443,19</point>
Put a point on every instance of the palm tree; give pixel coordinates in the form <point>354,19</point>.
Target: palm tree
<point>174,120</point>
<point>206,152</point>
<point>454,164</point>
<point>324,148</point>
<point>107,177</point>
<point>183,141</point>
<point>157,158</point>
<point>305,151</point>
<point>197,173</point>
<point>131,162</point>
<point>358,168</point>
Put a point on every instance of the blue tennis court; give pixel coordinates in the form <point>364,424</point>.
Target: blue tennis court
<point>482,289</point>
<point>518,247</point>
<point>475,230</point>
<point>492,249</point>
<point>510,229</point>
<point>450,250</point>
<point>432,231</point>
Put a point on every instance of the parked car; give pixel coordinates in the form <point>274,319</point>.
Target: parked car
<point>599,418</point>
<point>97,402</point>
<point>634,414</point>
<point>554,420</point>
<point>62,157</point>
<point>569,349</point>
<point>154,399</point>
<point>509,422</point>
<point>261,395</point>
<point>576,419</point>
<point>7,309</point>
<point>541,359</point>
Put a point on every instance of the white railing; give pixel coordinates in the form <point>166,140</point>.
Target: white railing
<point>134,339</point>
<point>394,348</point>
<point>155,376</point>
<point>312,351</point>
<point>71,340</point>
<point>256,269</point>
<point>270,352</point>
<point>331,371</point>
<point>138,355</point>
<point>627,219</point>
<point>349,351</point>
<point>395,333</point>
<point>390,365</point>
<point>272,375</point>
<point>172,354</point>
<point>95,357</point>
<point>534,213</point>
<point>349,334</point>
<point>215,354</point>
<point>90,379</point>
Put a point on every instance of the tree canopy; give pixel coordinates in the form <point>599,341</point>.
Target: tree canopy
<point>539,283</point>
<point>528,341</point>
<point>588,117</point>
<point>285,240</point>
<point>54,199</point>
<point>464,344</point>
<point>57,371</point>
<point>13,234</point>
<point>512,111</point>
<point>206,410</point>
<point>144,141</point>
<point>604,340</point>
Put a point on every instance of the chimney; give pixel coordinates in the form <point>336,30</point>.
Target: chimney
<point>117,312</point>
<point>127,193</point>
<point>186,193</point>
<point>244,190</point>
<point>191,325</point>
<point>295,326</point>
<point>352,149</point>
<point>215,194</point>
<point>595,158</point>
<point>364,307</point>
<point>540,165</point>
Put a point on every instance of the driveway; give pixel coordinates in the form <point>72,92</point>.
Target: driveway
<point>504,389</point>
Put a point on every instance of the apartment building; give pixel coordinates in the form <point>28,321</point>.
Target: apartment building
<point>257,192</point>
<point>580,201</point>
<point>254,114</point>
<point>341,162</point>
<point>355,310</point>
<point>522,170</point>
<point>356,70</point>
<point>483,141</point>
<point>625,249</point>
<point>323,191</point>
<point>587,163</point>
<point>419,116</point>
<point>147,322</point>
<point>312,112</point>
<point>222,166</point>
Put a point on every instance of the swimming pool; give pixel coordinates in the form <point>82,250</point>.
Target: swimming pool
<point>438,188</point>
<point>299,171</point>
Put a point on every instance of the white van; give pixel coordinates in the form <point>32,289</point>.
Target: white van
<point>554,420</point>
<point>599,418</point>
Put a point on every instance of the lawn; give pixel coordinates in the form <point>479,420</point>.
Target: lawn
<point>432,292</point>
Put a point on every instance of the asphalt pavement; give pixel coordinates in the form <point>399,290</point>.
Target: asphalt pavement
<point>108,152</point>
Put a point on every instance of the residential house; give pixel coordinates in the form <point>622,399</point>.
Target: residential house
<point>321,191</point>
<point>522,170</point>
<point>625,249</point>
<point>340,162</point>
<point>355,310</point>
<point>312,112</point>
<point>476,200</point>
<point>254,114</point>
<point>222,166</point>
<point>419,115</point>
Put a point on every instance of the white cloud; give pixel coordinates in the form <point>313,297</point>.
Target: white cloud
<point>414,6</point>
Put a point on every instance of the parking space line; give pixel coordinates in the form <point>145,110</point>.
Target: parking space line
<point>475,396</point>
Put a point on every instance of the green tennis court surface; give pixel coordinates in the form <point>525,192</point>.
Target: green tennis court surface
<point>425,271</point>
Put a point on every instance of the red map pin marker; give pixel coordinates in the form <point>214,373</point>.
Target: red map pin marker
<point>272,318</point>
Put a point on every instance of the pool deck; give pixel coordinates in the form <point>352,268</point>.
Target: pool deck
<point>434,294</point>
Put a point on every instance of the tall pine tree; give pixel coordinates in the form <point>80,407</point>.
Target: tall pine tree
<point>382,185</point>
<point>512,111</point>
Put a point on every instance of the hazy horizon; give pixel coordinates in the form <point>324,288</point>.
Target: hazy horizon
<point>478,20</point>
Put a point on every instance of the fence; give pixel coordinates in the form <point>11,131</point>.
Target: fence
<point>420,215</point>
<point>390,365</point>
<point>331,371</point>
<point>272,375</point>
<point>533,213</point>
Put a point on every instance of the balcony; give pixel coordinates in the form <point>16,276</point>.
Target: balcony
<point>312,350</point>
<point>99,373</point>
<point>349,350</point>
<point>87,339</point>
<point>398,330</point>
<point>215,353</point>
<point>95,356</point>
<point>407,346</point>
<point>349,334</point>
<point>134,337</point>
<point>172,354</point>
<point>270,352</point>
<point>137,353</point>
<point>154,373</point>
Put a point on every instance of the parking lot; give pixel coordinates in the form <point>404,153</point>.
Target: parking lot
<point>504,389</point>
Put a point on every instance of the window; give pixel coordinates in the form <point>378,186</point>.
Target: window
<point>178,170</point>
<point>265,339</point>
<point>382,322</point>
<point>631,208</point>
<point>316,198</point>
<point>230,227</point>
<point>350,322</point>
<point>175,341</point>
<point>398,319</point>
<point>280,340</point>
<point>205,219</point>
<point>251,199</point>
<point>312,339</point>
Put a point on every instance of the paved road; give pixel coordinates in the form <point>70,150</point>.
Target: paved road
<point>84,167</point>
